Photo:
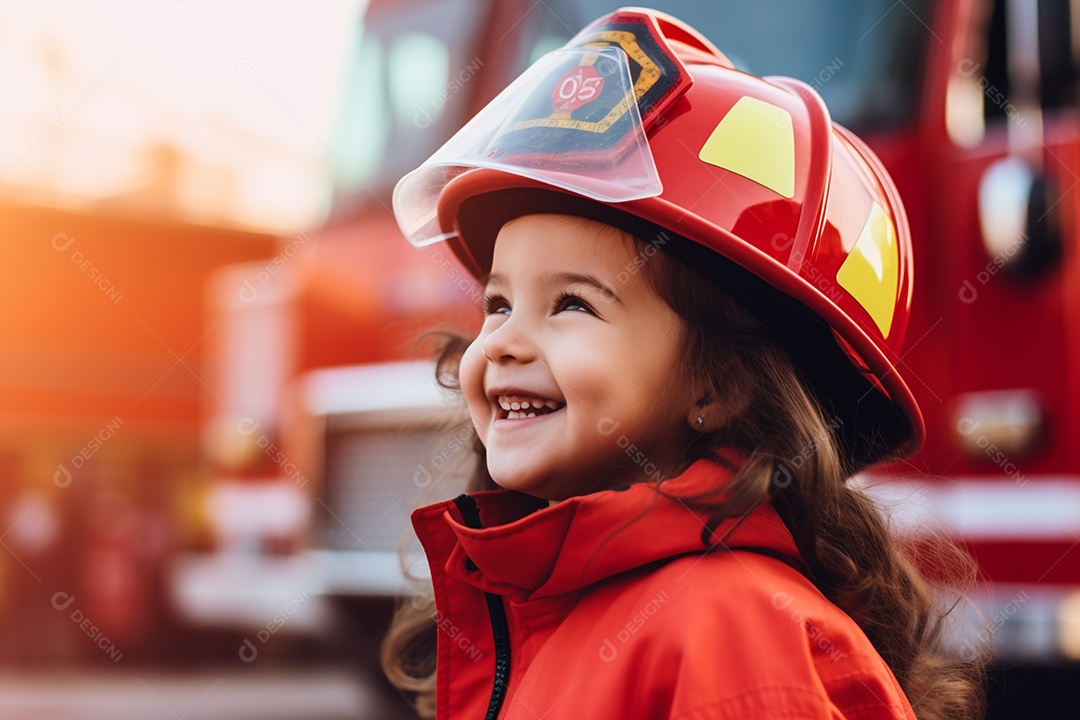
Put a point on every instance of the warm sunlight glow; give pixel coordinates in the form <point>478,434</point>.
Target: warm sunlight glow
<point>215,113</point>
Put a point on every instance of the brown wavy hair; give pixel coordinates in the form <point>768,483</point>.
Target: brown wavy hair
<point>796,462</point>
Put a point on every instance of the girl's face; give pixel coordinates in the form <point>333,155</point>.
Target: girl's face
<point>574,334</point>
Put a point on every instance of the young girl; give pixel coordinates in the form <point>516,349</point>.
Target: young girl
<point>695,287</point>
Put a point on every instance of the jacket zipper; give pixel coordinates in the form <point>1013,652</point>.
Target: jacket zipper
<point>500,630</point>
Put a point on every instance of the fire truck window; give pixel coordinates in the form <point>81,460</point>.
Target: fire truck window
<point>996,74</point>
<point>866,58</point>
<point>1058,63</point>
<point>1057,54</point>
<point>418,68</point>
<point>358,150</point>
<point>546,44</point>
<point>406,92</point>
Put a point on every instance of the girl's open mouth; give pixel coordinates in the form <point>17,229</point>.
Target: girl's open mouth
<point>519,407</point>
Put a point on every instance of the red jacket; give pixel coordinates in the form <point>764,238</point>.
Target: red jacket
<point>607,606</point>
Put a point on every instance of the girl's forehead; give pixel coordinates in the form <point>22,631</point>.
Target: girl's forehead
<point>571,223</point>
<point>554,239</point>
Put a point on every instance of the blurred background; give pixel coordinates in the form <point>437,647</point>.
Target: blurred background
<point>213,424</point>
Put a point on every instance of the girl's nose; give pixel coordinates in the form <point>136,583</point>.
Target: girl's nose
<point>507,342</point>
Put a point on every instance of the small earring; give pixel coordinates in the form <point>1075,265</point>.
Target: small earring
<point>700,420</point>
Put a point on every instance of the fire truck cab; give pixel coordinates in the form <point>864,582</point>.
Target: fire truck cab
<point>972,105</point>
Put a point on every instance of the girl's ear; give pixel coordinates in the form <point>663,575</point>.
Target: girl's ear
<point>706,416</point>
<point>712,412</point>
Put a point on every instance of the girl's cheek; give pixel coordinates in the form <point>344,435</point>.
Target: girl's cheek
<point>471,377</point>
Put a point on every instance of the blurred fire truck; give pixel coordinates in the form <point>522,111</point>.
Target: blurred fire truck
<point>328,433</point>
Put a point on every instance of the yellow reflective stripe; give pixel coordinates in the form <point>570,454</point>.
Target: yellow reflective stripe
<point>755,139</point>
<point>871,272</point>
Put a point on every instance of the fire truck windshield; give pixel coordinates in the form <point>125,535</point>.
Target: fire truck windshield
<point>412,72</point>
<point>864,58</point>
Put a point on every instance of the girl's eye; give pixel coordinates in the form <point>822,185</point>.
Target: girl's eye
<point>566,301</point>
<point>495,304</point>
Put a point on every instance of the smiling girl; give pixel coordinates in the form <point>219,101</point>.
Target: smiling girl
<point>562,351</point>
<point>695,291</point>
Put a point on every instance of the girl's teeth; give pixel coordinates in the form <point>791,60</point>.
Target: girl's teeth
<point>519,415</point>
<point>519,409</point>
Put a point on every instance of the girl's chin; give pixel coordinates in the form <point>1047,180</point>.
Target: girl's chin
<point>517,481</point>
<point>529,483</point>
<point>552,486</point>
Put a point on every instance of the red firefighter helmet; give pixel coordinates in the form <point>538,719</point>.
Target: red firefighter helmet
<point>642,123</point>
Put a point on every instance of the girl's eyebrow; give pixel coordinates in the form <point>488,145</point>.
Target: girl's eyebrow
<point>499,279</point>
<point>493,278</point>
<point>587,279</point>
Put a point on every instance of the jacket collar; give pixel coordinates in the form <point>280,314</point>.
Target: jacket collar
<point>528,550</point>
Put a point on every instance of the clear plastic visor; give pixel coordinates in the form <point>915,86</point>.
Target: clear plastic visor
<point>570,121</point>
